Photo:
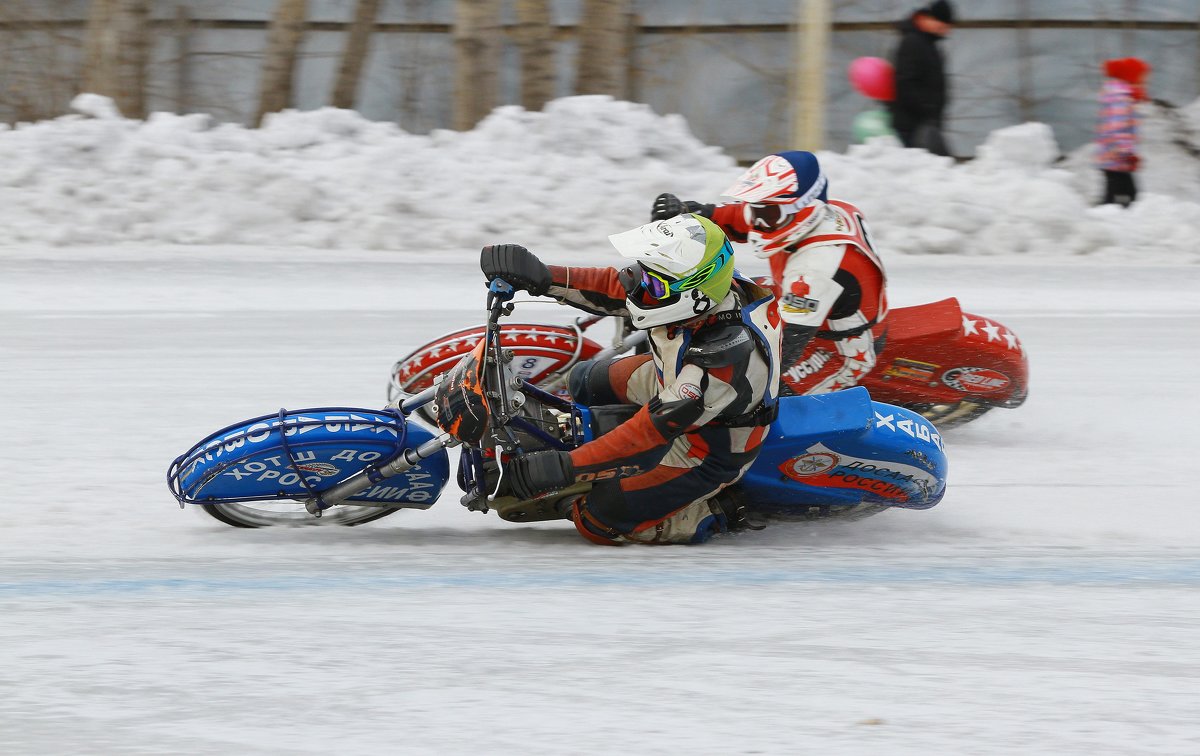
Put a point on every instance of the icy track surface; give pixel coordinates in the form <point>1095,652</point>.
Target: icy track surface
<point>1050,604</point>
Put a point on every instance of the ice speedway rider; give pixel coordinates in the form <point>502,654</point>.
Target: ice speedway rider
<point>707,391</point>
<point>831,283</point>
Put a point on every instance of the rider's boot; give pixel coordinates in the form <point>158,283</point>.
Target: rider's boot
<point>737,516</point>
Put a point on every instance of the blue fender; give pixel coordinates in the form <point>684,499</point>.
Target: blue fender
<point>297,454</point>
<point>841,449</point>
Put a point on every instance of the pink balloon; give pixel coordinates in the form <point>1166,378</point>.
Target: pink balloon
<point>874,78</point>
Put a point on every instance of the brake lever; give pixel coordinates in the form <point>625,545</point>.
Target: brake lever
<point>500,292</point>
<point>499,466</point>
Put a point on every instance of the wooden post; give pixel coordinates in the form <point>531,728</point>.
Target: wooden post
<point>284,36</point>
<point>810,58</point>
<point>601,37</point>
<point>535,41</point>
<point>183,62</point>
<point>633,24</point>
<point>476,60</point>
<point>358,42</point>
<point>116,53</point>
<point>1025,65</point>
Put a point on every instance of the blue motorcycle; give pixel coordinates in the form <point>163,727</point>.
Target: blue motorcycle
<point>838,455</point>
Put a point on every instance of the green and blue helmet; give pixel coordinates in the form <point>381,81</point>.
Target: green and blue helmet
<point>683,267</point>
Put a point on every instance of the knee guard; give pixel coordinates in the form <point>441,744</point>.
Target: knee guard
<point>589,384</point>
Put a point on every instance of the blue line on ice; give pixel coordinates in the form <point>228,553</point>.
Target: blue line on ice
<point>1180,573</point>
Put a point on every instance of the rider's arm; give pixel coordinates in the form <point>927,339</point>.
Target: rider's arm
<point>694,398</point>
<point>594,290</point>
<point>732,220</point>
<point>638,444</point>
<point>808,293</point>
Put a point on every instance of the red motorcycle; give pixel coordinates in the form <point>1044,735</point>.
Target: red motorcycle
<point>948,365</point>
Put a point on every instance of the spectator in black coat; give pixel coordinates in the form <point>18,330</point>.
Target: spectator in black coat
<point>921,91</point>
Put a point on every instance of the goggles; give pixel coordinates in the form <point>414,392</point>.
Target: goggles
<point>768,217</point>
<point>648,286</point>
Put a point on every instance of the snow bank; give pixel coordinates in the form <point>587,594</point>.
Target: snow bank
<point>558,179</point>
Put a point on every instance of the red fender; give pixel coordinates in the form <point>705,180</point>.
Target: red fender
<point>539,351</point>
<point>937,354</point>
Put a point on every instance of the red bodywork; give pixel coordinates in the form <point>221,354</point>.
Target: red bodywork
<point>540,351</point>
<point>934,354</point>
<point>937,354</point>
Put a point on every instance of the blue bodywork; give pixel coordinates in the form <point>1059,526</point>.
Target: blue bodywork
<point>837,449</point>
<point>299,454</point>
<point>843,448</point>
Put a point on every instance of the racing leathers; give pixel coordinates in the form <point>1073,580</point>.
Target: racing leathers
<point>832,293</point>
<point>707,393</point>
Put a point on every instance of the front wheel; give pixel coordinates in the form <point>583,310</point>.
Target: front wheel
<point>273,514</point>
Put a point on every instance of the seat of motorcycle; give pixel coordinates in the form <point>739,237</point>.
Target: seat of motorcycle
<point>605,417</point>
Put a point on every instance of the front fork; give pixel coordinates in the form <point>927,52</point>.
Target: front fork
<point>403,462</point>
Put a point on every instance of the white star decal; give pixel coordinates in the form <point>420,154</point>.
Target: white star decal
<point>969,326</point>
<point>993,332</point>
<point>435,352</point>
<point>1011,338</point>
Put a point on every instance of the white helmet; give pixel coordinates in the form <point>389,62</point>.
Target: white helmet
<point>784,198</point>
<point>683,267</point>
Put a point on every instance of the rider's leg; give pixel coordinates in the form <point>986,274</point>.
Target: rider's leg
<point>679,500</point>
<point>597,382</point>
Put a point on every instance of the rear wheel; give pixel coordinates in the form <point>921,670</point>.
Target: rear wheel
<point>291,513</point>
<point>848,513</point>
<point>951,415</point>
<point>841,513</point>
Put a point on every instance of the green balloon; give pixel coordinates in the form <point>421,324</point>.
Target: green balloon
<point>871,123</point>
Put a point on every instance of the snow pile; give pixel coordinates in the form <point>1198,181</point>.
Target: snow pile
<point>558,180</point>
<point>330,178</point>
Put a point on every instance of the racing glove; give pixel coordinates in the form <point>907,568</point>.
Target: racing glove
<point>517,265</point>
<point>541,472</point>
<point>668,206</point>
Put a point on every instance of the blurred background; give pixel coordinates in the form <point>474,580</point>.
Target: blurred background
<point>739,72</point>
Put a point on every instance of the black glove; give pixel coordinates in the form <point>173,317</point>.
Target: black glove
<point>540,472</point>
<point>517,265</point>
<point>668,206</point>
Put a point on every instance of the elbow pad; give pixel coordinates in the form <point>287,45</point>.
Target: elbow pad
<point>672,419</point>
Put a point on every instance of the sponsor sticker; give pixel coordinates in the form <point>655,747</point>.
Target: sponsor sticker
<point>811,366</point>
<point>893,482</point>
<point>797,304</point>
<point>911,370</point>
<point>690,391</point>
<point>975,380</point>
<point>806,465</point>
<point>324,469</point>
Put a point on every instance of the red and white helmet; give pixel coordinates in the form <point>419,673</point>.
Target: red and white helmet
<point>783,198</point>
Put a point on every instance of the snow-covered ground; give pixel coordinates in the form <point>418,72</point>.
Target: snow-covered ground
<point>1050,604</point>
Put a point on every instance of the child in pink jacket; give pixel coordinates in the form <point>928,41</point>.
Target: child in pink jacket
<point>1116,134</point>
